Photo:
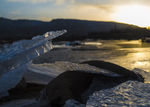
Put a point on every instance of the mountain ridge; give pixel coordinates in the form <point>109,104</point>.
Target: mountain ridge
<point>16,29</point>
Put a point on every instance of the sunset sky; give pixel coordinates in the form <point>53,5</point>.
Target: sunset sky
<point>128,11</point>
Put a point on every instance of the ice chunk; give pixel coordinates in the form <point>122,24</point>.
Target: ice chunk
<point>129,94</point>
<point>144,74</point>
<point>10,79</point>
<point>21,103</point>
<point>73,103</point>
<point>44,73</point>
<point>14,57</point>
<point>24,51</point>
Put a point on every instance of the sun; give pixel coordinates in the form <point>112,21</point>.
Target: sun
<point>133,14</point>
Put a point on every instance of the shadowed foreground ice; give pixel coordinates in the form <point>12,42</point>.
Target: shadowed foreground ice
<point>130,94</point>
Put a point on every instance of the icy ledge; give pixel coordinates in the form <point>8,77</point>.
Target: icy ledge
<point>15,57</point>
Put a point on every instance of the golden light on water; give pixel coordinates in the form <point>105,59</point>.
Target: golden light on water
<point>138,42</point>
<point>93,43</point>
<point>133,14</point>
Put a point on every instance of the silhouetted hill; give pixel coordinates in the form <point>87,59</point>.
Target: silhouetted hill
<point>84,27</point>
<point>19,29</point>
<point>77,29</point>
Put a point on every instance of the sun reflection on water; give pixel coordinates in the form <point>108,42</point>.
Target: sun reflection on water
<point>138,58</point>
<point>132,54</point>
<point>131,42</point>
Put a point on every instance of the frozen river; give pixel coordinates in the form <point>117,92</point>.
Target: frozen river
<point>129,54</point>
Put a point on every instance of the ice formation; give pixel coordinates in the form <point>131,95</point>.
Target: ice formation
<point>15,57</point>
<point>44,73</point>
<point>128,94</point>
<point>73,103</point>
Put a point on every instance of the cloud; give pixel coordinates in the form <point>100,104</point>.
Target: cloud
<point>87,12</point>
<point>94,2</point>
<point>79,9</point>
<point>39,1</point>
<point>31,1</point>
<point>88,2</point>
<point>16,12</point>
<point>111,2</point>
<point>109,5</point>
<point>59,2</point>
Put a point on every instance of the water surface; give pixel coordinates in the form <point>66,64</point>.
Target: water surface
<point>129,54</point>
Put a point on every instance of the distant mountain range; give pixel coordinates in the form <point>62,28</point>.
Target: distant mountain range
<point>26,29</point>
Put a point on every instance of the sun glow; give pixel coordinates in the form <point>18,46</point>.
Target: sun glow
<point>133,14</point>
